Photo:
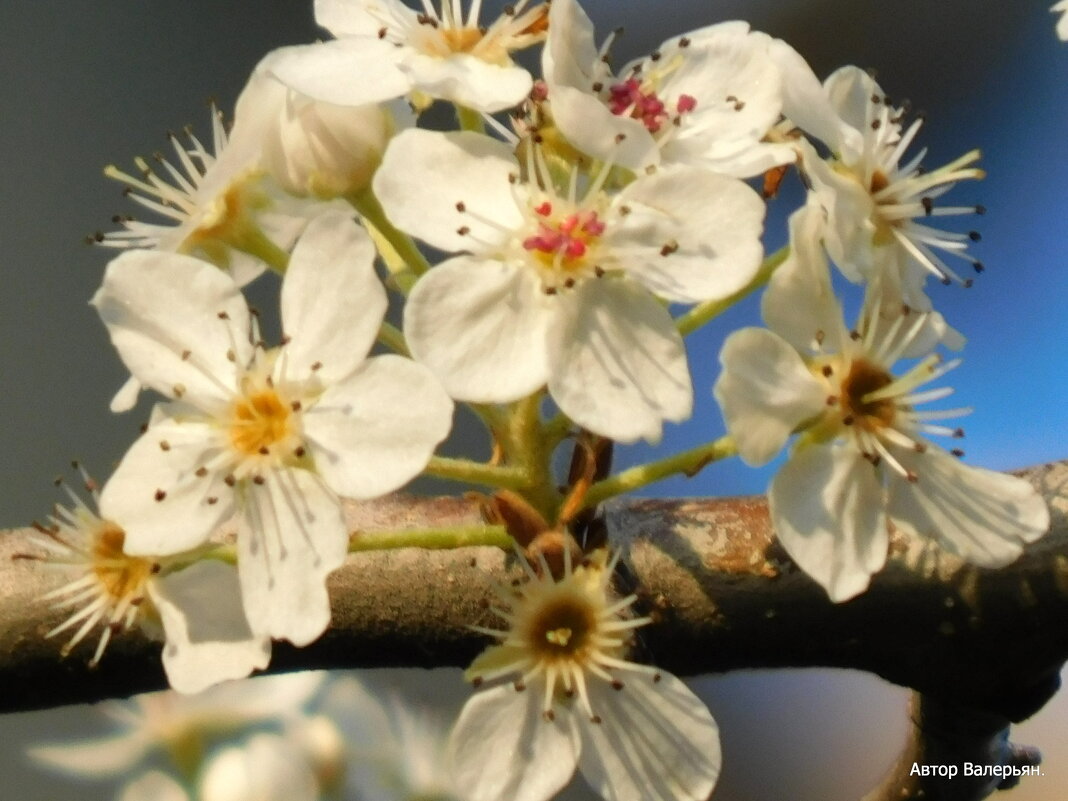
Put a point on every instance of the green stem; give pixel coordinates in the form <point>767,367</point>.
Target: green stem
<point>469,119</point>
<point>251,239</point>
<point>432,538</point>
<point>477,473</point>
<point>705,312</point>
<point>688,462</point>
<point>526,445</point>
<point>392,338</point>
<point>370,209</point>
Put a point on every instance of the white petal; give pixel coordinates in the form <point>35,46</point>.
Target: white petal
<point>481,327</point>
<point>163,310</point>
<point>153,786</point>
<point>208,636</point>
<point>447,169</point>
<point>690,234</point>
<point>570,54</point>
<point>126,398</point>
<point>155,494</point>
<point>738,91</point>
<point>468,80</point>
<point>850,90</point>
<point>332,301</point>
<point>765,391</point>
<point>376,430</point>
<point>618,365</point>
<point>290,537</point>
<point>827,508</point>
<point>351,17</point>
<point>353,71</point>
<point>983,516</point>
<point>806,104</point>
<point>656,742</point>
<point>99,757</point>
<point>266,768</point>
<point>502,747</point>
<point>799,304</point>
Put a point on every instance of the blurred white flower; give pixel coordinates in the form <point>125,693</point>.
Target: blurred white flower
<point>196,609</point>
<point>393,752</point>
<point>384,50</point>
<point>272,435</point>
<point>183,727</point>
<point>877,204</point>
<point>635,733</point>
<point>1062,24</point>
<point>707,98</point>
<point>561,288</point>
<point>153,786</point>
<point>267,767</point>
<point>861,461</point>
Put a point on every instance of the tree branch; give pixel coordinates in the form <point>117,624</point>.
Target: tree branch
<point>980,645</point>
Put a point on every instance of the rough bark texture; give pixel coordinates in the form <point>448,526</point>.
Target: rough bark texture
<point>982,647</point>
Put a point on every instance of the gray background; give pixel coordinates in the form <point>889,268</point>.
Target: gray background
<point>88,82</point>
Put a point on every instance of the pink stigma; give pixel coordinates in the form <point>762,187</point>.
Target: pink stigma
<point>627,98</point>
<point>569,237</point>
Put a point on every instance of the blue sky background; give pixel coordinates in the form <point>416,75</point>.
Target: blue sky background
<point>88,83</point>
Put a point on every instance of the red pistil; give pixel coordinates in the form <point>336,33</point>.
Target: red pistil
<point>628,98</point>
<point>569,237</point>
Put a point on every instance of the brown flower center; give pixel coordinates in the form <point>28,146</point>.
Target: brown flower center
<point>865,378</point>
<point>562,628</point>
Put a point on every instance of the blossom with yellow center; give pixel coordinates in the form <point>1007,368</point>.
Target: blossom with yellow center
<point>861,460</point>
<point>385,49</point>
<point>636,733</point>
<point>879,204</point>
<point>195,609</point>
<point>559,286</point>
<point>275,436</point>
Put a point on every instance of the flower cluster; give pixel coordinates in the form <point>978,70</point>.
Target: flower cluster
<point>576,240</point>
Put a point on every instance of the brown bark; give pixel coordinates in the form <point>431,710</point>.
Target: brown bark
<point>982,647</point>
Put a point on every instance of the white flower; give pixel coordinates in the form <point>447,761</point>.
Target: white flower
<point>878,205</point>
<point>635,733</point>
<point>215,204</point>
<point>385,49</point>
<point>707,98</point>
<point>272,435</point>
<point>311,147</point>
<point>181,726</point>
<point>198,607</point>
<point>861,461</point>
<point>1062,24</point>
<point>558,288</point>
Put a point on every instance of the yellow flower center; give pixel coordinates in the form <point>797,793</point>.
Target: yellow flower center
<point>260,420</point>
<point>119,575</point>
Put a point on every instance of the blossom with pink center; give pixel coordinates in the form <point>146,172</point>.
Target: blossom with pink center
<point>562,288</point>
<point>709,98</point>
